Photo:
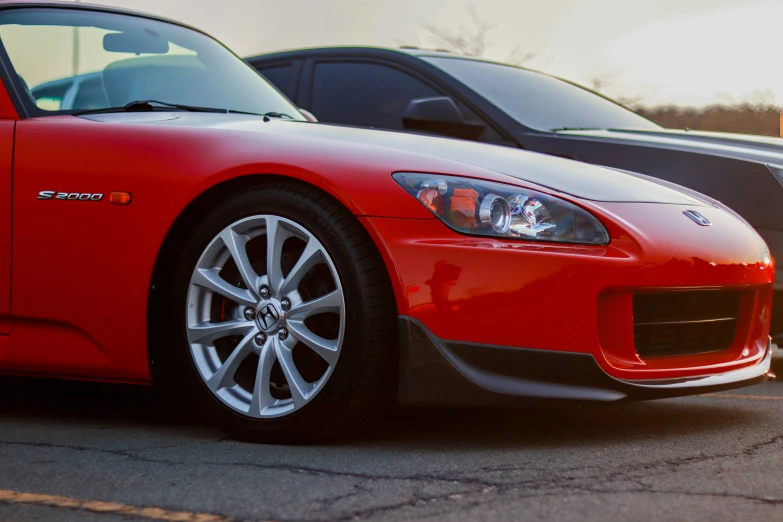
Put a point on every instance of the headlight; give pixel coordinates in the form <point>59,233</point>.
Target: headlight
<point>497,210</point>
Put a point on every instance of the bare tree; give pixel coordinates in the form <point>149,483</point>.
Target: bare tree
<point>599,83</point>
<point>463,40</point>
<point>519,56</point>
<point>631,102</point>
<point>602,85</point>
<point>760,100</point>
<point>472,41</point>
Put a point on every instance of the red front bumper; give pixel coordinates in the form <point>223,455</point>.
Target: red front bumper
<point>577,299</point>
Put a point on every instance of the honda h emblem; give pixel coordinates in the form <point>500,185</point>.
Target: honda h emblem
<point>698,218</point>
<point>268,316</point>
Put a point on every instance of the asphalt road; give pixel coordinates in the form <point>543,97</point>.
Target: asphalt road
<point>83,452</point>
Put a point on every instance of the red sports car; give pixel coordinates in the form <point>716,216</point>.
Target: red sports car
<point>190,225</point>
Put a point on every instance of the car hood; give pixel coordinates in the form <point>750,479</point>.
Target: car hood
<point>578,179</point>
<point>761,149</point>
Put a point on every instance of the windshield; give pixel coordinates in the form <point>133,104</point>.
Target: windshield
<point>539,101</point>
<point>70,60</point>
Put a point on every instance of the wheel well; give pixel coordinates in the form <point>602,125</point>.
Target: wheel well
<point>168,254</point>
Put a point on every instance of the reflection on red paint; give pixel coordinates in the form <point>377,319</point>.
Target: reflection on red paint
<point>442,281</point>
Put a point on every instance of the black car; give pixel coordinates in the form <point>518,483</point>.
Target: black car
<point>441,93</point>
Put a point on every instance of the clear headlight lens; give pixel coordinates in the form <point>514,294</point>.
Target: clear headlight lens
<point>494,209</point>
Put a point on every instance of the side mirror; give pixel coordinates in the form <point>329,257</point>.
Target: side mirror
<point>439,116</point>
<point>309,116</point>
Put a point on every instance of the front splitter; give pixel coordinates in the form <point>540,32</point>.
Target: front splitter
<point>447,373</point>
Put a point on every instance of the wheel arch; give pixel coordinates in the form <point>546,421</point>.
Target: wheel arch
<point>188,218</point>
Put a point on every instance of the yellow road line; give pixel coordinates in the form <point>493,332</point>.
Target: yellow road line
<point>751,397</point>
<point>151,513</point>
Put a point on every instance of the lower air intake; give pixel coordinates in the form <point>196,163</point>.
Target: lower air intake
<point>684,323</point>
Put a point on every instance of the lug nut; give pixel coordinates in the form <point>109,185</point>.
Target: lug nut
<point>249,313</point>
<point>265,292</point>
<point>285,304</point>
<point>260,339</point>
<point>283,334</point>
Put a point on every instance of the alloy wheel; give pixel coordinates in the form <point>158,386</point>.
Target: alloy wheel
<point>265,316</point>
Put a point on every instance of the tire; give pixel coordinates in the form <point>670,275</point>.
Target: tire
<point>260,381</point>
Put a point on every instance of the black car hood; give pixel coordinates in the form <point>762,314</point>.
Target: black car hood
<point>760,149</point>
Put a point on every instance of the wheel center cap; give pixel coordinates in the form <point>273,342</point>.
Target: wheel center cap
<point>268,316</point>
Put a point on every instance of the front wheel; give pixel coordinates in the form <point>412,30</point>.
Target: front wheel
<point>286,320</point>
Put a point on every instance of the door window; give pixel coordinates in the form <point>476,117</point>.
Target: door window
<point>364,94</point>
<point>374,95</point>
<point>281,76</point>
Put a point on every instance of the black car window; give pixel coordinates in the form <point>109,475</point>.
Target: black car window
<point>364,94</point>
<point>540,101</point>
<point>282,76</point>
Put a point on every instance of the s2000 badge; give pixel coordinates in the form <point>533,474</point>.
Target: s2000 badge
<point>69,196</point>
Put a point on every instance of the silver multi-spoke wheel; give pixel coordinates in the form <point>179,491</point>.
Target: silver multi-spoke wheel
<point>265,316</point>
<point>277,316</point>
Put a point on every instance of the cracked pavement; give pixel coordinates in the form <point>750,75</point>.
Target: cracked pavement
<point>717,457</point>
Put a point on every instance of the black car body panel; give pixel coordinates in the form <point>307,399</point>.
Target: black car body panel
<point>746,185</point>
<point>733,169</point>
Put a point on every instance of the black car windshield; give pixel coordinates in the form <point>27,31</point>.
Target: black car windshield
<point>70,60</point>
<point>539,101</point>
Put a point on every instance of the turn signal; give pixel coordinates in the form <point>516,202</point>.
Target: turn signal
<point>120,198</point>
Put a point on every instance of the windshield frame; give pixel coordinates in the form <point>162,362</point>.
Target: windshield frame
<point>430,61</point>
<point>26,109</point>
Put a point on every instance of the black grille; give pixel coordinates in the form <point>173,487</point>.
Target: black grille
<point>684,323</point>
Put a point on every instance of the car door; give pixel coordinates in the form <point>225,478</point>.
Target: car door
<point>8,117</point>
<point>7,125</point>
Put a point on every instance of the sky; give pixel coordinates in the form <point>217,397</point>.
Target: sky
<point>652,52</point>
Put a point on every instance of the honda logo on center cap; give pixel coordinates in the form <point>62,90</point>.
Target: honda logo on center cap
<point>268,316</point>
<point>698,218</point>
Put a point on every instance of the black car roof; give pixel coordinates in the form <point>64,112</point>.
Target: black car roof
<point>409,52</point>
<point>362,49</point>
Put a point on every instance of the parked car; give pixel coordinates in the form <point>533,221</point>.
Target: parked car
<point>195,230</point>
<point>441,93</point>
<point>84,91</point>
